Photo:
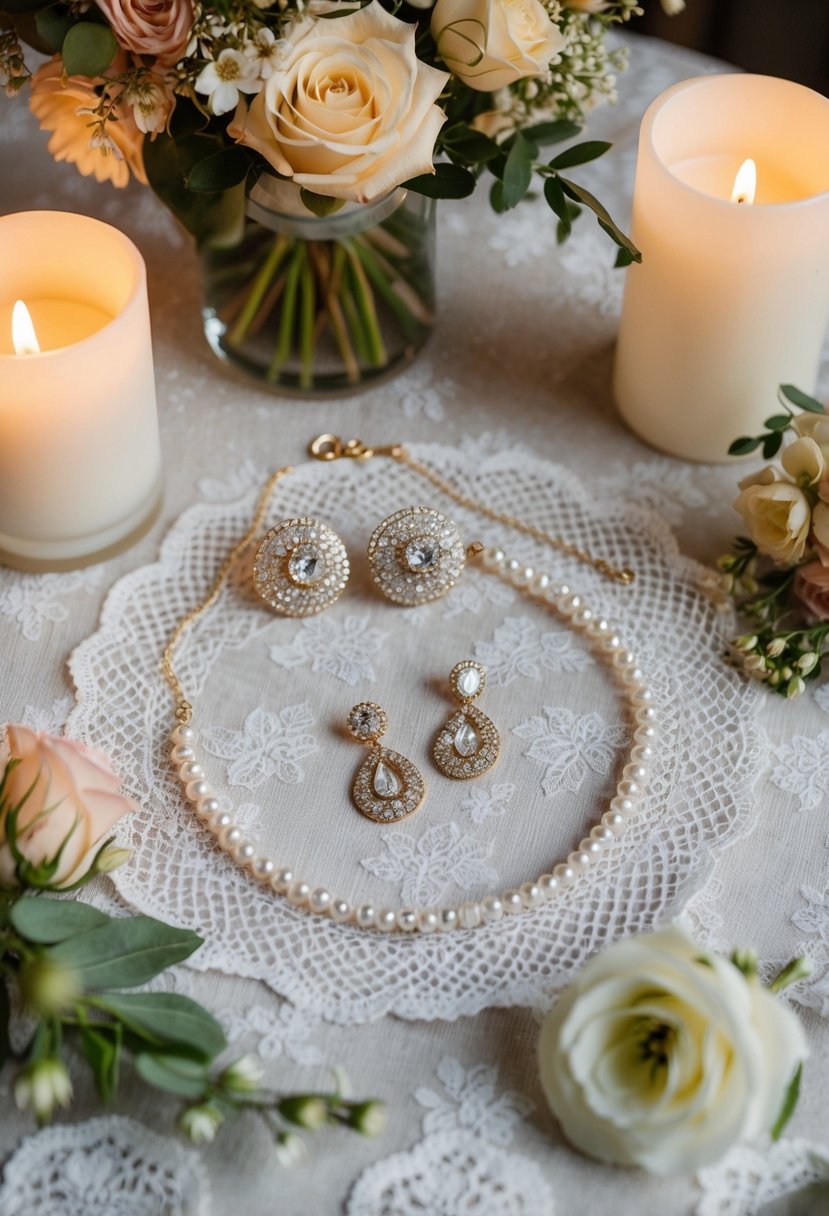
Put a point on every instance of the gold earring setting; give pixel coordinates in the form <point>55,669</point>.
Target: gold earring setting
<point>468,744</point>
<point>387,786</point>
<point>415,556</point>
<point>300,567</point>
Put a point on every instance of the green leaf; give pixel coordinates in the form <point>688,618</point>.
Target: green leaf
<point>167,1018</point>
<point>187,119</point>
<point>213,219</point>
<point>544,133</point>
<point>46,921</point>
<point>496,197</point>
<point>606,222</point>
<point>53,24</point>
<point>467,145</point>
<point>124,953</point>
<point>772,444</point>
<point>320,204</point>
<point>778,422</point>
<point>554,195</point>
<point>744,445</point>
<point>102,1048</point>
<point>220,171</point>
<point>623,258</point>
<point>174,1074</point>
<point>447,181</point>
<point>5,1015</point>
<point>580,154</point>
<point>518,170</point>
<point>88,49</point>
<point>802,400</point>
<point>789,1103</point>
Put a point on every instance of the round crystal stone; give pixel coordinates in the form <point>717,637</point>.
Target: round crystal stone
<point>306,565</point>
<point>366,721</point>
<point>422,554</point>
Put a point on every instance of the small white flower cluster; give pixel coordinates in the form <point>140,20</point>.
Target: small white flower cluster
<point>233,56</point>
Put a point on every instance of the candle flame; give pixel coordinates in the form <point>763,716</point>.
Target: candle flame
<point>745,183</point>
<point>24,337</point>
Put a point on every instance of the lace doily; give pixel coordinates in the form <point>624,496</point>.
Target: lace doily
<point>751,1179</point>
<point>111,1166</point>
<point>271,695</point>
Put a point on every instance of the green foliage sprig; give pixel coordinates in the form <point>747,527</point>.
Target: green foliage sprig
<point>771,440</point>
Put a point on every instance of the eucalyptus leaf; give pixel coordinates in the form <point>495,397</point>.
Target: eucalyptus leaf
<point>166,1017</point>
<point>789,1103</point>
<point>88,49</point>
<point>580,154</point>
<point>124,953</point>
<point>744,445</point>
<point>174,1074</point>
<point>802,400</point>
<point>102,1048</point>
<point>53,24</point>
<point>544,133</point>
<point>220,171</point>
<point>518,170</point>
<point>46,921</point>
<point>447,181</point>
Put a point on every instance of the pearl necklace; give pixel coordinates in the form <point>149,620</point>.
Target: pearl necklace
<point>638,701</point>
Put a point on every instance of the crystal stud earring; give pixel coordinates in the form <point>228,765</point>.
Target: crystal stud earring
<point>300,567</point>
<point>415,556</point>
<point>387,786</point>
<point>467,745</point>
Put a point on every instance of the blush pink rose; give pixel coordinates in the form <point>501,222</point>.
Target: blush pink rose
<point>151,27</point>
<point>811,586</point>
<point>70,803</point>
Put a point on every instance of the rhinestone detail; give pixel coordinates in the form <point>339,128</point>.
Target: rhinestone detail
<point>367,722</point>
<point>300,567</point>
<point>415,556</point>
<point>468,744</point>
<point>387,769</point>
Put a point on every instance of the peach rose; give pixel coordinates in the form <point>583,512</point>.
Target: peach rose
<point>63,107</point>
<point>349,113</point>
<point>777,515</point>
<point>490,44</point>
<point>67,803</point>
<point>151,27</point>
<point>811,586</point>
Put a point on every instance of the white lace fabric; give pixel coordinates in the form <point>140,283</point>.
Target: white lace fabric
<point>270,733</point>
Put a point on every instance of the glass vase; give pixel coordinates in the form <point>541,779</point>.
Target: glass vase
<point>313,305</point>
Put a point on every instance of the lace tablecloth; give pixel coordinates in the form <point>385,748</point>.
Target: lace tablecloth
<point>511,397</point>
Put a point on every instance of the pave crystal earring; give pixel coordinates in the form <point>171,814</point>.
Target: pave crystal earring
<point>387,786</point>
<point>415,556</point>
<point>300,567</point>
<point>467,745</point>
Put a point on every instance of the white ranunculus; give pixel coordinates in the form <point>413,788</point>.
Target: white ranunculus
<point>349,112</point>
<point>490,44</point>
<point>661,1057</point>
<point>777,515</point>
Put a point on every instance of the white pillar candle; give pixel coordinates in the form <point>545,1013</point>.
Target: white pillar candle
<point>80,459</point>
<point>731,299</point>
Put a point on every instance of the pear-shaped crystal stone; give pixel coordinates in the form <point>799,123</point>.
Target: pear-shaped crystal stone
<point>467,740</point>
<point>386,781</point>
<point>469,681</point>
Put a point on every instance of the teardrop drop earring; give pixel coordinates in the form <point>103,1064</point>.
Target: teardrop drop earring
<point>468,744</point>
<point>387,786</point>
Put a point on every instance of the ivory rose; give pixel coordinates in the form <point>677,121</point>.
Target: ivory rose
<point>659,1057</point>
<point>490,44</point>
<point>814,426</point>
<point>349,113</point>
<point>151,27</point>
<point>777,515</point>
<point>62,107</point>
<point>69,803</point>
<point>803,460</point>
<point>811,586</point>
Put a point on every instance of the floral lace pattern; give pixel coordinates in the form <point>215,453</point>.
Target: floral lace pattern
<point>482,803</point>
<point>34,601</point>
<point>52,720</point>
<point>275,1030</point>
<point>426,868</point>
<point>802,769</point>
<point>472,1103</point>
<point>111,1166</point>
<point>518,648</point>
<point>270,745</point>
<point>570,746</point>
<point>341,649</point>
<point>751,1178</point>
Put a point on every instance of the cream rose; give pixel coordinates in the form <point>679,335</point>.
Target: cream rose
<point>349,112</point>
<point>658,1057</point>
<point>150,27</point>
<point>814,426</point>
<point>68,804</point>
<point>811,586</point>
<point>490,44</point>
<point>777,515</point>
<point>804,462</point>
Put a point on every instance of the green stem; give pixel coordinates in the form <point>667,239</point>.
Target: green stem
<point>306,325</point>
<point>381,282</point>
<point>288,313</point>
<point>364,298</point>
<point>278,252</point>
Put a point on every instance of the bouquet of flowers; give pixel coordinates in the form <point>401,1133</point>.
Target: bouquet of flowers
<point>779,573</point>
<point>341,101</point>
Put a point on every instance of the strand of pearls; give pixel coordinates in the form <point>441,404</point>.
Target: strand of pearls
<point>638,700</point>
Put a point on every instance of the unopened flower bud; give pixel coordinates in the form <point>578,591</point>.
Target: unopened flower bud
<point>47,987</point>
<point>747,642</point>
<point>756,664</point>
<point>775,648</point>
<point>749,584</point>
<point>201,1122</point>
<point>110,859</point>
<point>305,1110</point>
<point>368,1118</point>
<point>807,662</point>
<point>745,960</point>
<point>42,1086</point>
<point>290,1148</point>
<point>243,1076</point>
<point>798,969</point>
<point>796,687</point>
<point>786,672</point>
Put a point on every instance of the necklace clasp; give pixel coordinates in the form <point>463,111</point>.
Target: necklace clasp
<point>331,447</point>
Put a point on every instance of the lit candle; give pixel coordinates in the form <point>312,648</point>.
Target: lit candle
<point>732,296</point>
<point>80,460</point>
